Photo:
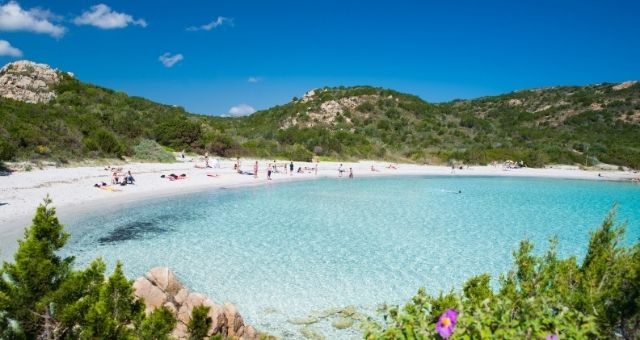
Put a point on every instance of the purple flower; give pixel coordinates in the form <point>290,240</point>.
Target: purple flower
<point>447,323</point>
<point>551,337</point>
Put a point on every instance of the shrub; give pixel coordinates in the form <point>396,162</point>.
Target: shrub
<point>7,150</point>
<point>150,151</point>
<point>43,297</point>
<point>199,323</point>
<point>540,296</point>
<point>298,152</point>
<point>104,142</point>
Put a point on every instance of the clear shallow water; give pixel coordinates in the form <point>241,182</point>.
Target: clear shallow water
<point>286,250</point>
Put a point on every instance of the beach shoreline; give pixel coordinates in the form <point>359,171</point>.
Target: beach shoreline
<point>73,193</point>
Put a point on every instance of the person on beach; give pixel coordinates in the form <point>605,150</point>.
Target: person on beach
<point>291,169</point>
<point>115,179</point>
<point>340,170</point>
<point>129,179</point>
<point>238,164</point>
<point>206,160</point>
<point>316,167</point>
<point>351,173</point>
<point>269,169</point>
<point>255,169</point>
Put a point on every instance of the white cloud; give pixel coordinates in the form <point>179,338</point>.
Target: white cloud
<point>215,23</point>
<point>102,16</point>
<point>7,50</point>
<point>254,79</point>
<point>14,18</point>
<point>169,60</point>
<point>241,110</point>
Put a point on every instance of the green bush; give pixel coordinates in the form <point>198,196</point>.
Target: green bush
<point>7,150</point>
<point>150,151</point>
<point>540,296</point>
<point>43,297</point>
<point>105,143</point>
<point>199,323</point>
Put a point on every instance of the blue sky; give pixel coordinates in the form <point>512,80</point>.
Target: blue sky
<point>235,55</point>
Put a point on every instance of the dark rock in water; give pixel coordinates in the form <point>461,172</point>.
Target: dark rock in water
<point>132,231</point>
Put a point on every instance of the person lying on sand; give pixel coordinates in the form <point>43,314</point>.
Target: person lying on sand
<point>374,169</point>
<point>105,187</point>
<point>212,174</point>
<point>392,166</point>
<point>173,177</point>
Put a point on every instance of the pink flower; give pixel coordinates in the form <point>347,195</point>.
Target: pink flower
<point>551,337</point>
<point>447,323</point>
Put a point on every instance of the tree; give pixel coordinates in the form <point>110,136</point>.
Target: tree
<point>36,273</point>
<point>200,323</point>
<point>115,310</point>
<point>158,325</point>
<point>42,297</point>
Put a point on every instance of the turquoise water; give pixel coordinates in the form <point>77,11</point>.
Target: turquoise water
<point>286,250</point>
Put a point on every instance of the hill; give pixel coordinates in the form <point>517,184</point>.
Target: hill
<point>72,120</point>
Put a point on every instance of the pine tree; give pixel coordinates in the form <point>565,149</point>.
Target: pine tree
<point>36,273</point>
<point>42,297</point>
<point>200,322</point>
<point>157,325</point>
<point>115,311</point>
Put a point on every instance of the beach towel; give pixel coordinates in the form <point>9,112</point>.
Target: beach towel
<point>108,188</point>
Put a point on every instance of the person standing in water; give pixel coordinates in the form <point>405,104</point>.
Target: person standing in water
<point>291,168</point>
<point>255,169</point>
<point>350,173</point>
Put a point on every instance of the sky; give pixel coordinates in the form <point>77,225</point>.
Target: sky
<point>236,56</point>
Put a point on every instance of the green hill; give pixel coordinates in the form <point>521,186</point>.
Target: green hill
<point>596,123</point>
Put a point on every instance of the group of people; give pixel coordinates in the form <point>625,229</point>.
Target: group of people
<point>342,170</point>
<point>118,177</point>
<point>272,167</point>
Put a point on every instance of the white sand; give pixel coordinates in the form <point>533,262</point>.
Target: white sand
<point>72,189</point>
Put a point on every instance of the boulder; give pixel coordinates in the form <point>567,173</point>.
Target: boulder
<point>234,319</point>
<point>165,279</point>
<point>160,287</point>
<point>153,296</point>
<point>28,82</point>
<point>342,323</point>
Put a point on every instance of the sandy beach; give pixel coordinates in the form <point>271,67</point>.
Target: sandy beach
<point>72,189</point>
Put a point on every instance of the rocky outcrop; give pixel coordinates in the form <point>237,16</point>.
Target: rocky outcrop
<point>160,287</point>
<point>624,85</point>
<point>28,82</point>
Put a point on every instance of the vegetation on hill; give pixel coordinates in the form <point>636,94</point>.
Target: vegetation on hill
<point>571,125</point>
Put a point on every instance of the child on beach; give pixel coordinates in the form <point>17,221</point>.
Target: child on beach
<point>255,170</point>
